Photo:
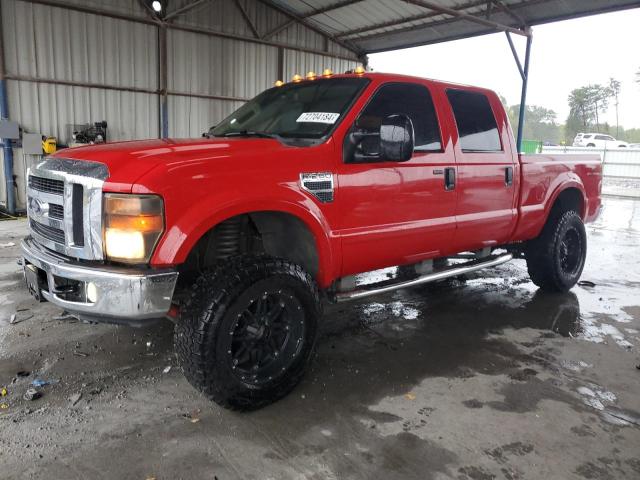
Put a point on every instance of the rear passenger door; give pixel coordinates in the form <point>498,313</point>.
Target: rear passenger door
<point>487,171</point>
<point>395,213</point>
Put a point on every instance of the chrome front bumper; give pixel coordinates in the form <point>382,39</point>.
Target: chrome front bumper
<point>121,295</point>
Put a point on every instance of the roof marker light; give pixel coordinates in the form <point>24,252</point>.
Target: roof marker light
<point>296,78</point>
<point>359,70</point>
<point>278,83</point>
<point>327,72</point>
<point>311,75</point>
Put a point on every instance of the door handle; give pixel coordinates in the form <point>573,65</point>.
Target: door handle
<point>508,176</point>
<point>449,178</point>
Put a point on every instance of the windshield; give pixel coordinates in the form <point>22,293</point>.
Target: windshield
<point>298,110</point>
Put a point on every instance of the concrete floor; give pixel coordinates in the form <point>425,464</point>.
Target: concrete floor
<point>478,379</point>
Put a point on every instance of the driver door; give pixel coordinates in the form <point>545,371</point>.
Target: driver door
<point>395,213</point>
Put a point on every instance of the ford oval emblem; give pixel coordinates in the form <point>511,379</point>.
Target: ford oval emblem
<point>38,208</point>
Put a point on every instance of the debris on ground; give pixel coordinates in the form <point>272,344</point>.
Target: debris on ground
<point>3,406</point>
<point>95,391</point>
<point>38,382</point>
<point>15,320</point>
<point>75,398</point>
<point>410,396</point>
<point>64,316</point>
<point>3,392</point>
<point>8,244</point>
<point>167,369</point>
<point>32,394</point>
<point>23,373</point>
<point>192,416</point>
<point>586,283</point>
<point>78,353</point>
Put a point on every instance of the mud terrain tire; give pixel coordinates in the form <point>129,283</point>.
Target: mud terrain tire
<point>555,258</point>
<point>248,330</point>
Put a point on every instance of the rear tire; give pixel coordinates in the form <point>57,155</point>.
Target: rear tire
<point>555,258</point>
<point>248,330</point>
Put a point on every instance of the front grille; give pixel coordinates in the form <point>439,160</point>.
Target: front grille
<point>47,185</point>
<point>50,233</point>
<point>56,211</point>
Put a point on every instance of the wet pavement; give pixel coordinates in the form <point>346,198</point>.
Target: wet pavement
<point>477,378</point>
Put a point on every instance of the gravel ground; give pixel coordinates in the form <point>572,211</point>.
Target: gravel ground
<point>478,378</point>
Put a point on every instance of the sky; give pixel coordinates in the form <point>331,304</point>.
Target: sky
<point>565,55</point>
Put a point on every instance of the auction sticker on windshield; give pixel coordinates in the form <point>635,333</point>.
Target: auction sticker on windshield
<point>318,117</point>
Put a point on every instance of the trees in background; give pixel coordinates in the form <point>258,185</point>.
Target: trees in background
<point>586,105</point>
<point>540,123</point>
<point>614,87</point>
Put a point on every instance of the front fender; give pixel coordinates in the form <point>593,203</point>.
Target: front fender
<point>185,231</point>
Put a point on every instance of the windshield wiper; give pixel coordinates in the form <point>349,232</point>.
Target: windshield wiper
<point>250,133</point>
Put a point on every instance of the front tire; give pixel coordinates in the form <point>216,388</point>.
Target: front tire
<point>248,330</point>
<point>555,259</point>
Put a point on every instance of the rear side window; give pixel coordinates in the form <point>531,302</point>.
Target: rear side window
<point>409,99</point>
<point>477,127</point>
<point>586,136</point>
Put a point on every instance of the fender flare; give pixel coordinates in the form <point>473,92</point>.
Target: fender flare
<point>178,241</point>
<point>576,183</point>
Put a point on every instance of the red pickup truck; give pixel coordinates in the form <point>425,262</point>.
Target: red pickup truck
<point>238,237</point>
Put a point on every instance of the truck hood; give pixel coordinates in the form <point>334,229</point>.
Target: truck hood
<point>129,161</point>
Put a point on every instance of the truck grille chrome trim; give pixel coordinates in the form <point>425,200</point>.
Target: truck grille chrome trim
<point>65,206</point>
<point>56,211</point>
<point>54,234</point>
<point>46,185</point>
<point>320,185</point>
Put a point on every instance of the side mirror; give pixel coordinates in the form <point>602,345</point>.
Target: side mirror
<point>396,138</point>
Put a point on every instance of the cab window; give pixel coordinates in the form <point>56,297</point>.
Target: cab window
<point>477,127</point>
<point>409,99</point>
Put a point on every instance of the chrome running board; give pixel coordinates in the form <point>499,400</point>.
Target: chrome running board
<point>451,271</point>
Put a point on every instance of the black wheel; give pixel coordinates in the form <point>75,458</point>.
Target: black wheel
<point>248,331</point>
<point>555,259</point>
<point>591,145</point>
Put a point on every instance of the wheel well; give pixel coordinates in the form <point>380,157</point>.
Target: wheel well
<point>275,233</point>
<point>569,199</point>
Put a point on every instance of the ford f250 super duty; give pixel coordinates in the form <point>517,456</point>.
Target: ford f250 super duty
<point>240,237</point>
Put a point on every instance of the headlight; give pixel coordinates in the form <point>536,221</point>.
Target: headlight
<point>133,225</point>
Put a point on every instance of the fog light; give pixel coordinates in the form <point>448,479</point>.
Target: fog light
<point>92,292</point>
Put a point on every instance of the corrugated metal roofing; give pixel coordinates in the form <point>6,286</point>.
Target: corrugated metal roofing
<point>378,25</point>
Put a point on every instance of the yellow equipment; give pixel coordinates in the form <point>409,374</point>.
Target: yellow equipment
<point>49,145</point>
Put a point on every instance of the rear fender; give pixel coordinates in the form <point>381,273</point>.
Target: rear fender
<point>539,200</point>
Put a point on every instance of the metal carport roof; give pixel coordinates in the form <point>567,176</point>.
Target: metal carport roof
<point>370,26</point>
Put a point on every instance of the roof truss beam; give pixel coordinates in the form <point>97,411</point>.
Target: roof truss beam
<point>329,8</point>
<point>305,22</point>
<point>247,19</point>
<point>434,11</point>
<point>402,21</point>
<point>467,16</point>
<point>186,8</point>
